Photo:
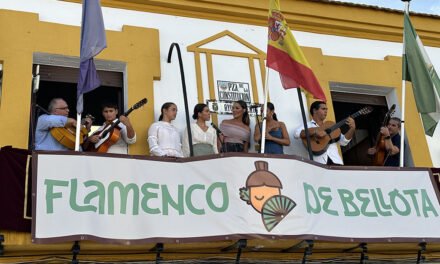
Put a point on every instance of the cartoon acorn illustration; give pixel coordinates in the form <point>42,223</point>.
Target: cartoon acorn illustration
<point>263,192</point>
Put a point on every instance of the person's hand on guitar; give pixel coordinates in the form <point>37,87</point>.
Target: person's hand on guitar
<point>350,123</point>
<point>70,123</point>
<point>125,120</point>
<point>319,133</point>
<point>371,151</point>
<point>87,122</point>
<point>94,138</point>
<point>384,131</point>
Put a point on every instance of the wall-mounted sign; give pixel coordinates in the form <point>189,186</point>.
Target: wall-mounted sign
<point>228,93</point>
<point>233,91</point>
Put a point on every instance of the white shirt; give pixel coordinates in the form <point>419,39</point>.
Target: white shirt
<point>121,146</point>
<point>164,140</point>
<point>199,137</point>
<point>332,150</point>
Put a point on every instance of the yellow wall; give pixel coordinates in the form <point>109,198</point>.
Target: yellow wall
<point>316,16</point>
<point>22,34</point>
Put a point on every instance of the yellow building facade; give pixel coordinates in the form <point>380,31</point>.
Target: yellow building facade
<point>23,34</point>
<point>30,35</point>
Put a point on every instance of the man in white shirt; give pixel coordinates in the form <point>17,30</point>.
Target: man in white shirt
<point>126,134</point>
<point>318,110</point>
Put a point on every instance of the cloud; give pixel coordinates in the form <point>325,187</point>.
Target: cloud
<point>364,2</point>
<point>420,6</point>
<point>390,4</point>
<point>435,9</point>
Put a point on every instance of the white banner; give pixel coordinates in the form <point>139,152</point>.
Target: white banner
<point>139,200</point>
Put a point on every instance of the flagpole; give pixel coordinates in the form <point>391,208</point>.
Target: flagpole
<point>306,129</point>
<point>402,126</point>
<point>78,127</point>
<point>78,122</point>
<point>264,114</point>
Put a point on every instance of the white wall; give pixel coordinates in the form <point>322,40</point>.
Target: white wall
<point>186,31</point>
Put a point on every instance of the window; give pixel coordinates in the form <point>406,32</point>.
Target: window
<point>347,99</point>
<point>58,76</point>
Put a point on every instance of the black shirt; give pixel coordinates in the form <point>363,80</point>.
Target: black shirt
<point>394,160</point>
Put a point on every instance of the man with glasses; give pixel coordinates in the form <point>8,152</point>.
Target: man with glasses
<point>57,117</point>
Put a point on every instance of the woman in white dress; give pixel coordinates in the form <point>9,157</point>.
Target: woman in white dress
<point>204,138</point>
<point>163,137</point>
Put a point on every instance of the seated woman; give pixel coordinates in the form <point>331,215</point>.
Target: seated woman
<point>236,131</point>
<point>204,138</point>
<point>163,137</point>
<point>276,133</point>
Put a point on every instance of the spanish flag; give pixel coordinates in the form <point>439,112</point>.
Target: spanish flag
<point>285,56</point>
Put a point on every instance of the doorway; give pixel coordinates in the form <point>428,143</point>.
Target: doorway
<point>61,82</point>
<point>367,126</point>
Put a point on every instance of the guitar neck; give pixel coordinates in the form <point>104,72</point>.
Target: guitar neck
<point>342,122</point>
<point>125,114</point>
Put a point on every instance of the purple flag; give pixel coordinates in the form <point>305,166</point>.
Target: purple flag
<point>93,41</point>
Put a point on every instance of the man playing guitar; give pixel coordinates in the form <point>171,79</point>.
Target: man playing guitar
<point>125,132</point>
<point>317,131</point>
<point>391,134</point>
<point>58,112</point>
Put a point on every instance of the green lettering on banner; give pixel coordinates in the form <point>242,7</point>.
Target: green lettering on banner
<point>73,203</point>
<point>427,204</point>
<point>412,194</point>
<point>394,195</point>
<point>148,196</point>
<point>310,209</point>
<point>377,204</point>
<point>188,199</point>
<point>347,199</point>
<point>382,201</point>
<point>224,195</point>
<point>123,193</point>
<point>327,200</point>
<point>51,195</point>
<point>99,192</point>
<point>168,200</point>
<point>365,202</point>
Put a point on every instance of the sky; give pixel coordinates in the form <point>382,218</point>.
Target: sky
<point>419,6</point>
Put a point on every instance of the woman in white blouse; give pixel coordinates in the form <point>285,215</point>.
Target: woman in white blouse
<point>204,138</point>
<point>163,137</point>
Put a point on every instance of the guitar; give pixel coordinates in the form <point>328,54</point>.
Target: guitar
<point>66,136</point>
<point>381,153</point>
<point>111,134</point>
<point>333,131</point>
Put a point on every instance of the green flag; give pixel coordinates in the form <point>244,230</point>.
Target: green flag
<point>418,69</point>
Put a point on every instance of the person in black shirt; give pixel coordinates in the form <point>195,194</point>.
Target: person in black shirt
<point>391,134</point>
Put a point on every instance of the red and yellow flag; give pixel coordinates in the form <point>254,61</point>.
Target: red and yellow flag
<point>285,56</point>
